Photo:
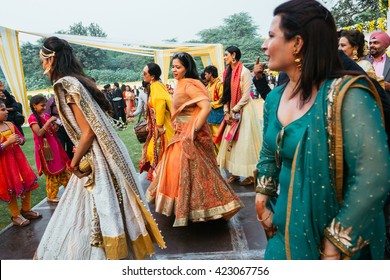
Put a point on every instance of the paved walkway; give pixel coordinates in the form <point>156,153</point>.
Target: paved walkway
<point>240,238</point>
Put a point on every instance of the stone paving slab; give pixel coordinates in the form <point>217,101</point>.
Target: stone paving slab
<point>241,237</point>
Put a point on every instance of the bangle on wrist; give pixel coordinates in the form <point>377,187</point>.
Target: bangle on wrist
<point>328,256</point>
<point>196,129</point>
<point>262,220</point>
<point>1,147</point>
<point>71,168</point>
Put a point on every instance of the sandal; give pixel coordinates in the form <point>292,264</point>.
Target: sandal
<point>20,221</point>
<point>53,200</point>
<point>247,181</point>
<point>233,178</point>
<point>30,214</point>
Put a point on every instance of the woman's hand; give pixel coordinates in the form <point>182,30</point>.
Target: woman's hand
<point>228,118</point>
<point>14,138</point>
<point>80,174</point>
<point>265,215</point>
<point>52,119</point>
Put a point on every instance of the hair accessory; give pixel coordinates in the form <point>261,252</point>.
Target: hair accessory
<point>49,50</point>
<point>44,55</point>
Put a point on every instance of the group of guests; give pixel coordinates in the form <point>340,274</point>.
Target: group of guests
<point>122,99</point>
<point>320,164</point>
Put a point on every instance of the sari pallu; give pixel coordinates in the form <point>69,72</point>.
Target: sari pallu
<point>155,142</point>
<point>103,212</point>
<point>188,181</point>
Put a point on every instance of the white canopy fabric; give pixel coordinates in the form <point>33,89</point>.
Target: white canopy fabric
<point>11,65</point>
<point>11,62</point>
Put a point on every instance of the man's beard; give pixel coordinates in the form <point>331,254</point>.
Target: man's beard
<point>374,52</point>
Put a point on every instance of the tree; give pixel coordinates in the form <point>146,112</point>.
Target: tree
<point>347,12</point>
<point>90,58</point>
<point>239,30</point>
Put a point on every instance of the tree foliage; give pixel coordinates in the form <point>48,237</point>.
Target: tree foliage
<point>239,30</point>
<point>109,66</point>
<point>350,12</point>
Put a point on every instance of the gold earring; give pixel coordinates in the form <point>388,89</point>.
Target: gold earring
<point>298,61</point>
<point>354,53</point>
<point>47,70</point>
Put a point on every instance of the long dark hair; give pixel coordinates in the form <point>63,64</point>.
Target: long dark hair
<point>188,63</point>
<point>66,64</point>
<point>315,24</point>
<point>228,77</point>
<point>35,100</point>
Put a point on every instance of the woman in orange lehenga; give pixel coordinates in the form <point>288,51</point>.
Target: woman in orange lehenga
<point>188,179</point>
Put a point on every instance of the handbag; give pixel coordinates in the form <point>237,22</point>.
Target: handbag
<point>141,129</point>
<point>216,116</point>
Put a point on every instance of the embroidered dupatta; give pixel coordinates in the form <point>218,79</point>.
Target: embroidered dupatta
<point>121,213</point>
<point>324,174</point>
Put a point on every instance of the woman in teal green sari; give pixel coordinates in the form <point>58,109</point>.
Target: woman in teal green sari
<point>324,169</point>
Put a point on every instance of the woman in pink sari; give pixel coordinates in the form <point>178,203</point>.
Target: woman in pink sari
<point>188,181</point>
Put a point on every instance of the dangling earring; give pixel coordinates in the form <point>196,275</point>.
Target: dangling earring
<point>354,53</point>
<point>298,61</point>
<point>47,70</point>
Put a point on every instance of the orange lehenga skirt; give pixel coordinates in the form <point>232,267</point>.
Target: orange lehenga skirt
<point>188,181</point>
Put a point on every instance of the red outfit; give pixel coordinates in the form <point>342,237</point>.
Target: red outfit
<point>16,175</point>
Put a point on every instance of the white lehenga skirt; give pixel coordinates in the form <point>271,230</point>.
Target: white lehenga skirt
<point>243,156</point>
<point>68,234</point>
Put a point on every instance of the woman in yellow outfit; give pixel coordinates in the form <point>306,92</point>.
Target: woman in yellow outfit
<point>158,113</point>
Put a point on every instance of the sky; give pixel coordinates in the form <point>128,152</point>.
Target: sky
<point>133,21</point>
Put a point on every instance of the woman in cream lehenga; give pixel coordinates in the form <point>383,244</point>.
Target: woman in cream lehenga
<point>240,131</point>
<point>101,214</point>
<point>188,181</point>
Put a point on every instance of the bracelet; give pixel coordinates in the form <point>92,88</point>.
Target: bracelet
<point>1,147</point>
<point>44,129</point>
<point>71,168</point>
<point>196,129</point>
<point>326,255</point>
<point>270,212</point>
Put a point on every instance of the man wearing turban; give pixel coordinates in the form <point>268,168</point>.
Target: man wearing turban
<point>379,41</point>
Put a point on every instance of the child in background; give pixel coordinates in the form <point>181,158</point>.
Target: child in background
<point>17,177</point>
<point>50,156</point>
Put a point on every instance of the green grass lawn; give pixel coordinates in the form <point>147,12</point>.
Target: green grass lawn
<point>133,146</point>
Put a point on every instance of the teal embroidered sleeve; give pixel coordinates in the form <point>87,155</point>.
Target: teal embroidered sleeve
<point>366,175</point>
